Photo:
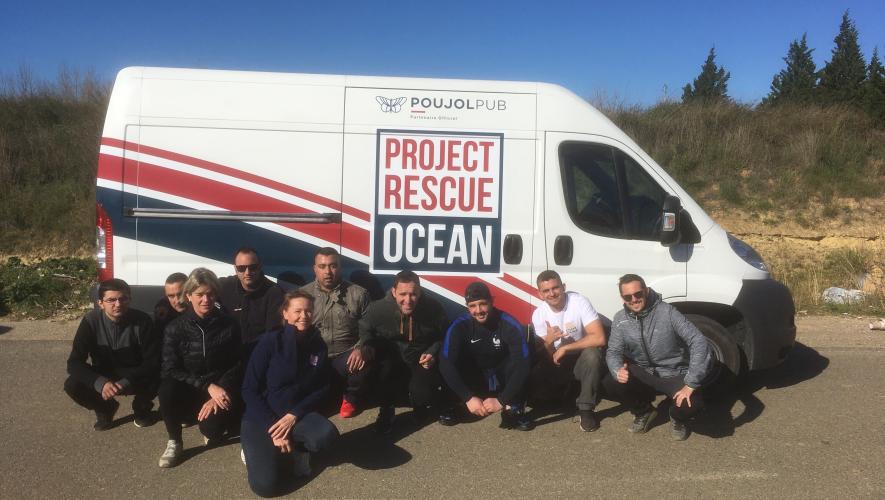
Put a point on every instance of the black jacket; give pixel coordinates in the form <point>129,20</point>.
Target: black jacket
<point>420,332</point>
<point>203,351</point>
<point>256,312</point>
<point>122,352</point>
<point>471,346</point>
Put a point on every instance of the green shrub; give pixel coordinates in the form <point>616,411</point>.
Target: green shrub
<point>47,288</point>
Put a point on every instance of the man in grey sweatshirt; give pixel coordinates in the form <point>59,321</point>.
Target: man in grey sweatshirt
<point>653,349</point>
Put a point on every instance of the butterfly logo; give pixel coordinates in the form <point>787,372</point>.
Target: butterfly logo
<point>391,105</point>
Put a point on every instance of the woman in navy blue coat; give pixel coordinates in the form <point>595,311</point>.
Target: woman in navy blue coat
<point>286,379</point>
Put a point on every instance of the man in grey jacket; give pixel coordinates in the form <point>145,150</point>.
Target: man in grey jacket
<point>654,349</point>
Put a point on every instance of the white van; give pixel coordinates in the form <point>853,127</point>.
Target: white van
<point>457,180</point>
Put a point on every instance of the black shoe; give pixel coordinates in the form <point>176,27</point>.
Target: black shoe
<point>642,422</point>
<point>384,422</point>
<point>678,430</point>
<point>587,420</point>
<point>447,417</point>
<point>516,419</point>
<point>144,419</point>
<point>422,414</point>
<point>104,420</point>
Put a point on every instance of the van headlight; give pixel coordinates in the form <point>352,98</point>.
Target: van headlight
<point>747,253</point>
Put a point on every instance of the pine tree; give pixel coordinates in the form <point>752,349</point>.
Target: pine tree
<point>796,82</point>
<point>711,84</point>
<point>874,88</point>
<point>841,79</point>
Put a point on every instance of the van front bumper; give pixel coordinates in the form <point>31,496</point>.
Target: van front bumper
<point>769,320</point>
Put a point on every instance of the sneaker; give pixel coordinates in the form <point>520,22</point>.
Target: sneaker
<point>516,418</point>
<point>170,457</point>
<point>212,442</point>
<point>144,420</point>
<point>384,422</point>
<point>447,417</point>
<point>301,463</point>
<point>104,420</point>
<point>243,456</point>
<point>642,422</point>
<point>347,410</point>
<point>587,420</point>
<point>678,430</point>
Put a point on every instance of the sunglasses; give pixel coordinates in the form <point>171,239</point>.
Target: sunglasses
<point>251,267</point>
<point>633,296</point>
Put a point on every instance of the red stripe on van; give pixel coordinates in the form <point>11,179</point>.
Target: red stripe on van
<point>239,174</point>
<point>525,287</point>
<point>504,300</point>
<point>233,198</point>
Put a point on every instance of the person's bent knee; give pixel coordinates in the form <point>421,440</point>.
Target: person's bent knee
<point>264,487</point>
<point>70,386</point>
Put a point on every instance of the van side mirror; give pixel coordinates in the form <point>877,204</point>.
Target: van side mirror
<point>669,221</point>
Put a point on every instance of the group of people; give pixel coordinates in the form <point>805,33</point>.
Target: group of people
<point>239,356</point>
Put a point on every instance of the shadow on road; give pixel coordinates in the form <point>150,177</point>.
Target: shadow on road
<point>803,363</point>
<point>368,450</point>
<point>717,420</point>
<point>4,329</point>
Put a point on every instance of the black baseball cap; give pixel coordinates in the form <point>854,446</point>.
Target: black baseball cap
<point>477,291</point>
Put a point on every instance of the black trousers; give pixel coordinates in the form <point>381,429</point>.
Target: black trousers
<point>265,464</point>
<point>180,401</point>
<point>395,376</point>
<point>86,396</point>
<point>642,387</point>
<point>356,384</point>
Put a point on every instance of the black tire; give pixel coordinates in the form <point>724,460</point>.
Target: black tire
<point>725,350</point>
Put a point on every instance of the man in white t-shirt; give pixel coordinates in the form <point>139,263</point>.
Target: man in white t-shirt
<point>573,338</point>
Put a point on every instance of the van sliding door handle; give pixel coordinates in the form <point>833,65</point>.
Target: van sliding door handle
<point>563,250</point>
<point>513,249</point>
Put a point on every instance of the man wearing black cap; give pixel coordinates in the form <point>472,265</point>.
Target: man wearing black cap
<point>485,360</point>
<point>404,330</point>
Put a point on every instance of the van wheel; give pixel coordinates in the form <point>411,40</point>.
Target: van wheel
<point>725,350</point>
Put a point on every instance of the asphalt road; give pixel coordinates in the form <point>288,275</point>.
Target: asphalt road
<point>813,427</point>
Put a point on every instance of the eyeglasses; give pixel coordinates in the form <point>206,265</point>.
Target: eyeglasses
<point>633,296</point>
<point>251,267</point>
<point>114,300</point>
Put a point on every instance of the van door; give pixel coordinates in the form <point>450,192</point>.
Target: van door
<point>603,218</point>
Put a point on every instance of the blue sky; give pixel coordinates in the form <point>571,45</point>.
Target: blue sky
<point>628,52</point>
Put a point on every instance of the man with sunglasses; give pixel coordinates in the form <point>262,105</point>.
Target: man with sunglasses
<point>337,309</point>
<point>653,349</point>
<point>252,299</point>
<point>124,358</point>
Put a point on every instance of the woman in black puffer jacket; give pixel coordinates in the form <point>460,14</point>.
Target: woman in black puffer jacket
<point>201,369</point>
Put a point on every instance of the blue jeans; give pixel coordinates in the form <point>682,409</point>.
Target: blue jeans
<point>312,433</point>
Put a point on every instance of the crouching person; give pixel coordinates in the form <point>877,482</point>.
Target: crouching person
<point>124,357</point>
<point>201,368</point>
<point>654,349</point>
<point>286,379</point>
<point>404,330</point>
<point>485,360</point>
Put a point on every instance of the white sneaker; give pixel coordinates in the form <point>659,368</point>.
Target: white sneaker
<point>301,464</point>
<point>170,457</point>
<point>243,456</point>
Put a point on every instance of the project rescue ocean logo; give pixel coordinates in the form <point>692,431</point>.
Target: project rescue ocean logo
<point>437,202</point>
